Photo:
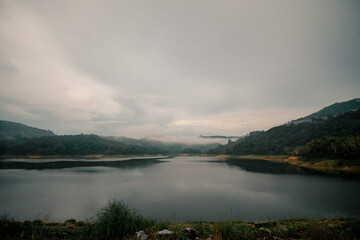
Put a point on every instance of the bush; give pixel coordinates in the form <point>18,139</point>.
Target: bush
<point>116,220</point>
<point>347,148</point>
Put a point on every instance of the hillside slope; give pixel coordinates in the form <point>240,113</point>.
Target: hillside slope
<point>76,145</point>
<point>33,141</point>
<point>278,139</point>
<point>13,130</point>
<point>337,108</point>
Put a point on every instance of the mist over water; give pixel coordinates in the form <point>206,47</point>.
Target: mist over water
<point>181,188</point>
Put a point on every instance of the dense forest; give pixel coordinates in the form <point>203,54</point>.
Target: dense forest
<point>336,109</point>
<point>19,132</point>
<point>333,148</point>
<point>292,136</point>
<point>170,147</point>
<point>76,145</point>
<point>91,144</point>
<point>332,132</point>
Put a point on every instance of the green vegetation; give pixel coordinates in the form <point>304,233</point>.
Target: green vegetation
<point>19,132</point>
<point>337,108</point>
<point>259,163</point>
<point>220,136</point>
<point>327,128</point>
<point>20,140</point>
<point>326,140</point>
<point>81,145</point>
<point>291,137</point>
<point>347,148</point>
<point>172,148</point>
<point>76,145</point>
<point>117,221</point>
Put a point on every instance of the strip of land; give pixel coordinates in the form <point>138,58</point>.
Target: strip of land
<point>319,165</point>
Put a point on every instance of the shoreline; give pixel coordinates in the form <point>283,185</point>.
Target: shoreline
<point>327,166</point>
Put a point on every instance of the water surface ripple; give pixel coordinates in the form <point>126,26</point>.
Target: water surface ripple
<point>179,188</point>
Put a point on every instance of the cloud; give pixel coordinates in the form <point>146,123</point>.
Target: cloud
<point>42,78</point>
<point>174,68</point>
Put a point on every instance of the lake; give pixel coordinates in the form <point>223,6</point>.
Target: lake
<point>179,188</point>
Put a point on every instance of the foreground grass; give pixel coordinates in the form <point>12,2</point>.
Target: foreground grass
<point>117,221</point>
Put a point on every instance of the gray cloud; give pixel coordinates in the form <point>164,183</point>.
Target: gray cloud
<point>173,68</point>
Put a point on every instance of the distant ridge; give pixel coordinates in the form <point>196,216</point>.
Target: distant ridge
<point>219,136</point>
<point>337,120</point>
<point>13,130</point>
<point>19,139</point>
<point>337,108</point>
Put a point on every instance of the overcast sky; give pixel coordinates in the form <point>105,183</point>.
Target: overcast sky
<point>171,68</point>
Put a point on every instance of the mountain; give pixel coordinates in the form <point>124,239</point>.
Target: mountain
<point>219,136</point>
<point>19,139</point>
<point>13,130</point>
<point>76,145</point>
<point>332,110</point>
<point>290,137</point>
<point>174,148</point>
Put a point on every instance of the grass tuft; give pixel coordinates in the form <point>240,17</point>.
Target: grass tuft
<point>116,220</point>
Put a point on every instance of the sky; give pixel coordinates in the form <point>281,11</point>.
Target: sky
<point>175,69</point>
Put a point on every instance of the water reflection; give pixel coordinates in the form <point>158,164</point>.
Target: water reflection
<point>187,188</point>
<point>61,164</point>
<point>262,166</point>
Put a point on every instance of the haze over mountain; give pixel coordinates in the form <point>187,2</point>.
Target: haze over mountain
<point>174,69</point>
<point>19,139</point>
<point>336,120</point>
<point>14,130</point>
<point>336,109</point>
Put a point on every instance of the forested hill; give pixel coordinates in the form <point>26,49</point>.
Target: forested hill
<point>19,139</point>
<point>286,138</point>
<point>75,145</point>
<point>13,130</point>
<point>336,109</point>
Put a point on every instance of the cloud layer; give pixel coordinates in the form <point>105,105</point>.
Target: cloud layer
<point>174,68</point>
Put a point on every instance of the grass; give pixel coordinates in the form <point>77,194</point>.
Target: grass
<point>115,221</point>
<point>118,221</point>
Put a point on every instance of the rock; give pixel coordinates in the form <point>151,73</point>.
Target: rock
<point>141,235</point>
<point>60,235</point>
<point>192,234</point>
<point>265,230</point>
<point>165,232</point>
<point>263,224</point>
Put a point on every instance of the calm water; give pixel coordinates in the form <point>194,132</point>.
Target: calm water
<point>181,188</point>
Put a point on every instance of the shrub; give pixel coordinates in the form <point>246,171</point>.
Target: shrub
<point>116,220</point>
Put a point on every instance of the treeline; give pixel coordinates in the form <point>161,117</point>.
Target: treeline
<point>279,140</point>
<point>93,144</point>
<point>333,148</point>
<point>20,132</point>
<point>73,145</point>
<point>337,108</point>
<point>174,148</point>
